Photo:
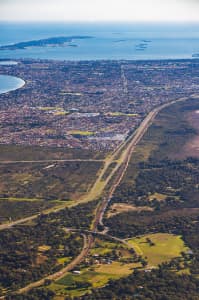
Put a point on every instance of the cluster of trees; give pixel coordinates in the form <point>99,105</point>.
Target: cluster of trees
<point>12,209</point>
<point>19,248</point>
<point>34,294</point>
<point>133,223</point>
<point>177,180</point>
<point>163,283</point>
<point>158,284</point>
<point>76,217</point>
<point>21,260</point>
<point>162,143</point>
<point>177,213</point>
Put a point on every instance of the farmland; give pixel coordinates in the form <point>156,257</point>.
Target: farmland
<point>159,247</point>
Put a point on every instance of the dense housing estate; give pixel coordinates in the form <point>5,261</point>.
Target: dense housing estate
<point>88,104</point>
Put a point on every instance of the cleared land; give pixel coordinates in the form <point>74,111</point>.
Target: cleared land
<point>34,153</point>
<point>50,181</point>
<point>95,278</point>
<point>107,260</point>
<point>43,182</point>
<point>118,208</point>
<point>191,147</point>
<point>149,177</point>
<point>154,248</point>
<point>158,248</point>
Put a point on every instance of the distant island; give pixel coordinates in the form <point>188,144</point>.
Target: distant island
<point>52,41</point>
<point>143,45</point>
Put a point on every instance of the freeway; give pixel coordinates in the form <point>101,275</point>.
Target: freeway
<point>124,152</point>
<point>125,148</point>
<point>122,163</point>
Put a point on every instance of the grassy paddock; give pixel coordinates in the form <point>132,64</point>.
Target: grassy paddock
<point>101,267</point>
<point>80,132</point>
<point>94,277</point>
<point>166,247</point>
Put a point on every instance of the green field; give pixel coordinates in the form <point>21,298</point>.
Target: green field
<point>118,114</point>
<point>93,277</point>
<point>107,260</point>
<point>166,247</point>
<point>81,133</point>
<point>103,247</point>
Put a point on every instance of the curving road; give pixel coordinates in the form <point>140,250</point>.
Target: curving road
<point>62,272</point>
<point>126,149</point>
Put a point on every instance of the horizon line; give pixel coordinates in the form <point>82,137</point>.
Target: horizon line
<point>183,22</point>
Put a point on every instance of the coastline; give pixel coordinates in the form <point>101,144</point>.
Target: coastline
<point>19,83</point>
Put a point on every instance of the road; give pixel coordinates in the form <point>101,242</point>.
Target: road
<point>62,272</point>
<point>123,161</point>
<point>121,156</point>
<point>49,161</point>
<point>126,149</point>
<point>88,240</point>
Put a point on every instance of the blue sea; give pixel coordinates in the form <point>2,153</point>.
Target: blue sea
<point>110,41</point>
<point>10,83</point>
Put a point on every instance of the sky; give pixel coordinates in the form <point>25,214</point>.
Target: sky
<point>100,10</point>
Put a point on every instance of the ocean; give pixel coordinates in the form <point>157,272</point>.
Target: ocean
<point>133,41</point>
<point>10,83</point>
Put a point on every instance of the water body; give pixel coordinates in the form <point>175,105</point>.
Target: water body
<point>8,63</point>
<point>110,41</point>
<point>10,83</point>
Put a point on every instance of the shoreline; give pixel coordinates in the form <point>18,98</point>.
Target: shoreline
<point>8,63</point>
<point>19,84</point>
<point>32,59</point>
